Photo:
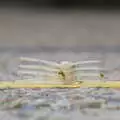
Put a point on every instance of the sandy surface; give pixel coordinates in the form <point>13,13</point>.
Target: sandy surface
<point>21,27</point>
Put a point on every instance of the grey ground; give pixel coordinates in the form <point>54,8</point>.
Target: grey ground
<point>21,27</point>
